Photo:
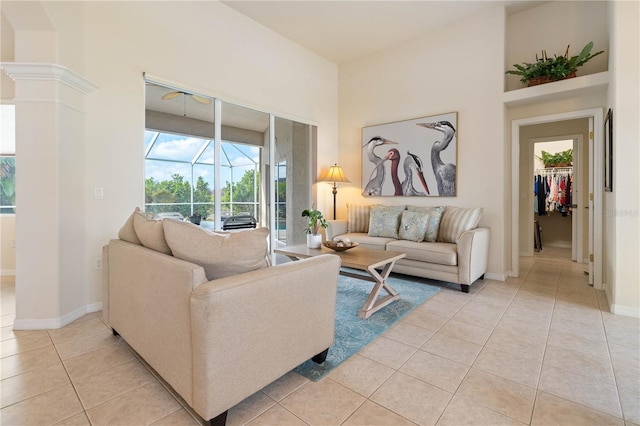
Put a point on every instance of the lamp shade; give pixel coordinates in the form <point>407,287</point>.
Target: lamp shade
<point>335,174</point>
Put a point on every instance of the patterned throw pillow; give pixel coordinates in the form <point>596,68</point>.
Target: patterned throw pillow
<point>384,221</point>
<point>358,218</point>
<point>413,226</point>
<point>434,214</point>
<point>455,221</point>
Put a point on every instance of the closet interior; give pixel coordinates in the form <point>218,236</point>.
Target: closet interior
<point>553,203</point>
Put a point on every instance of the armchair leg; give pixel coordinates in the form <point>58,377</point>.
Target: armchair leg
<point>464,288</point>
<point>219,420</point>
<point>321,357</point>
<point>115,333</point>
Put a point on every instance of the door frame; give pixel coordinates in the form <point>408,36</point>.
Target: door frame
<point>577,216</point>
<point>595,185</point>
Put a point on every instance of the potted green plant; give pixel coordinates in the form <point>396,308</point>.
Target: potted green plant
<point>546,69</point>
<point>559,159</point>
<point>316,221</point>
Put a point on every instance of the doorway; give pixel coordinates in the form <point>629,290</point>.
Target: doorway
<point>522,172</point>
<point>556,202</point>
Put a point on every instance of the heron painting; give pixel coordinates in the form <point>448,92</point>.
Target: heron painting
<point>422,162</point>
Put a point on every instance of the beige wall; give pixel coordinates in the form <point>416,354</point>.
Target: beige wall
<point>223,54</point>
<point>622,214</point>
<point>573,23</point>
<point>430,76</point>
<point>229,56</point>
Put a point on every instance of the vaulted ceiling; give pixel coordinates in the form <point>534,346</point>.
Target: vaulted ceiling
<point>342,31</point>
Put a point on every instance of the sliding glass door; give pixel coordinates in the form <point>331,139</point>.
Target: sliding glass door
<point>207,160</point>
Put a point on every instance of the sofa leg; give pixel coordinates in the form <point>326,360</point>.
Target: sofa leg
<point>219,420</point>
<point>321,357</point>
<point>481,277</point>
<point>464,288</point>
<point>115,333</point>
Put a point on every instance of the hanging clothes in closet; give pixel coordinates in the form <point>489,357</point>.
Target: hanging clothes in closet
<point>552,190</point>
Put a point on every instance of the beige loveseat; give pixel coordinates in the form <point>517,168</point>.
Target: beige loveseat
<point>216,341</point>
<point>441,243</point>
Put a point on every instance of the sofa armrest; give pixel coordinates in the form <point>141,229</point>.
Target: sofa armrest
<point>252,328</point>
<point>473,255</point>
<point>335,228</point>
<point>149,297</point>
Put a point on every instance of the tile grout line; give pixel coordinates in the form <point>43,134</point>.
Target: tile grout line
<point>471,366</point>
<point>544,354</point>
<point>75,390</point>
<point>613,370</point>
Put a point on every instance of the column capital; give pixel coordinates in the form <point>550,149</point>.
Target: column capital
<point>32,71</point>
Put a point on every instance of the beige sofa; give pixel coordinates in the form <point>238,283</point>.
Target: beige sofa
<point>459,254</point>
<point>218,341</point>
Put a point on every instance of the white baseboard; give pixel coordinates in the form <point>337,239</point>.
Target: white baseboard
<point>627,311</point>
<point>94,307</point>
<point>55,323</point>
<point>495,277</point>
<point>8,272</point>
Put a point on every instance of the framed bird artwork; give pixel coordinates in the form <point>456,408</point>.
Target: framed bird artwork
<point>411,158</point>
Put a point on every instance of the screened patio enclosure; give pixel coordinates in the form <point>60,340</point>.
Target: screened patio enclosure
<point>211,159</point>
<point>180,177</point>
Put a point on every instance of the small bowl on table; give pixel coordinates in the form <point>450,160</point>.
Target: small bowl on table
<point>339,245</point>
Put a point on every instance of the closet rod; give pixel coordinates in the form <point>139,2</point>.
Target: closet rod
<point>552,170</point>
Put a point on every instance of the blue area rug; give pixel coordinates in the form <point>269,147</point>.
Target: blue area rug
<point>353,333</point>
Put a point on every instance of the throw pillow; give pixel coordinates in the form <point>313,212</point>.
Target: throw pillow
<point>384,221</point>
<point>358,218</point>
<point>220,255</point>
<point>150,232</point>
<point>128,232</point>
<point>413,226</point>
<point>434,215</point>
<point>455,221</point>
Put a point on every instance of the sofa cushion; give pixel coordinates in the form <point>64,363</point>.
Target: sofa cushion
<point>434,215</point>
<point>358,218</point>
<point>220,255</point>
<point>384,221</point>
<point>150,232</point>
<point>128,232</point>
<point>440,253</point>
<point>455,221</point>
<point>413,226</point>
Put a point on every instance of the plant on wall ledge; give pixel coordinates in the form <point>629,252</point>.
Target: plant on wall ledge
<point>559,159</point>
<point>546,69</point>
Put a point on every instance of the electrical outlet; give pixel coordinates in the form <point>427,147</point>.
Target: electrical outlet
<point>98,263</point>
<point>98,193</point>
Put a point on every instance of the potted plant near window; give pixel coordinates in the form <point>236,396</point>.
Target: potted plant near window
<point>316,220</point>
<point>546,70</point>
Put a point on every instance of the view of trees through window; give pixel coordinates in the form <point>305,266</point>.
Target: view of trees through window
<point>180,174</point>
<point>7,184</point>
<point>174,195</point>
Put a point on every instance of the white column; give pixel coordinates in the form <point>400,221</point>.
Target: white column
<point>50,233</point>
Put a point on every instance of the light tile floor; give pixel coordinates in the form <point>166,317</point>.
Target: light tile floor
<point>541,349</point>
